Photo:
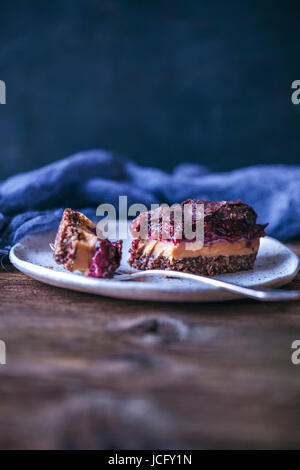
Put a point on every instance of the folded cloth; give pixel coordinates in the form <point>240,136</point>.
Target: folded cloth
<point>32,202</point>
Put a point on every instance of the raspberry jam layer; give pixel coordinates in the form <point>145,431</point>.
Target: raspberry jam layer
<point>106,259</point>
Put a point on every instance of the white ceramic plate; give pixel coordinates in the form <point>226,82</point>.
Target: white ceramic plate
<point>275,266</point>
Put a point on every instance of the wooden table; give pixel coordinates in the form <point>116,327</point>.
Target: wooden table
<point>92,372</point>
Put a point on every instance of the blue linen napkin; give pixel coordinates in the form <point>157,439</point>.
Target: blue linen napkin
<point>34,201</point>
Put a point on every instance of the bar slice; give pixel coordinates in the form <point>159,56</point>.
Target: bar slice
<point>230,239</point>
<point>78,248</point>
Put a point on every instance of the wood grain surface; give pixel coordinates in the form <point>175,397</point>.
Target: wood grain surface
<point>92,372</point>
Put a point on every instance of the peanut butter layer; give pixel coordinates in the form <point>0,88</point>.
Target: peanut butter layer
<point>167,249</point>
<point>84,249</point>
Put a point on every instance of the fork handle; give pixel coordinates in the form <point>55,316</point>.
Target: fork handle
<point>257,294</point>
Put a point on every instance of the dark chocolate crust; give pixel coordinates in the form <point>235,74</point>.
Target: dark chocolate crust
<point>209,266</point>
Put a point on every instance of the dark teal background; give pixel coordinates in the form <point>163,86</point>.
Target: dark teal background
<point>159,81</point>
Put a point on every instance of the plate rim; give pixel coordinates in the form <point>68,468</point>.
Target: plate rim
<point>66,279</point>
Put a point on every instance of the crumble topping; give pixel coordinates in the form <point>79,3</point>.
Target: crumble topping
<point>223,220</point>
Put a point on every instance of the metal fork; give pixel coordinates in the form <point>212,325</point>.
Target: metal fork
<point>257,294</point>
